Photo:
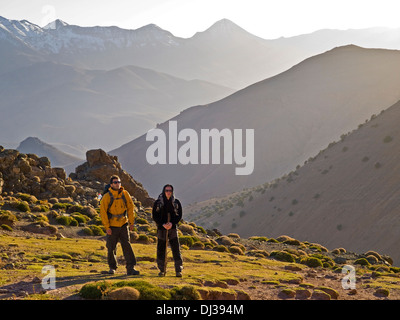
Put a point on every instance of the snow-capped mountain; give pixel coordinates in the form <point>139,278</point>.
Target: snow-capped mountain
<point>59,37</point>
<point>224,54</point>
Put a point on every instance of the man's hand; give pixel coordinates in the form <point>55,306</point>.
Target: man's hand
<point>167,225</point>
<point>109,231</point>
<point>131,226</point>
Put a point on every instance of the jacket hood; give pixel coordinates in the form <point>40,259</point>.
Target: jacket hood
<point>116,192</point>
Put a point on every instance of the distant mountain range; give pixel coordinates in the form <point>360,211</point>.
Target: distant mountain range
<point>348,195</point>
<point>33,145</point>
<point>101,87</point>
<point>294,115</point>
<point>72,82</point>
<point>224,54</point>
<point>93,108</point>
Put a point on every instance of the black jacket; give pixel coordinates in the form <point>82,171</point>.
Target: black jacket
<point>162,207</point>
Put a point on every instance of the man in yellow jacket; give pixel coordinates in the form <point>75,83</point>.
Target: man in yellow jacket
<point>117,212</point>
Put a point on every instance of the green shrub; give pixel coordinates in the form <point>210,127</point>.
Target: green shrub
<point>143,238</point>
<point>62,206</point>
<point>67,221</point>
<point>185,293</point>
<point>94,230</point>
<point>147,290</point>
<point>256,238</point>
<point>95,290</point>
<point>80,217</point>
<point>186,228</point>
<point>186,240</point>
<point>293,242</point>
<point>220,248</point>
<point>282,256</point>
<point>6,227</point>
<point>311,262</point>
<point>22,206</point>
<point>198,245</point>
<point>141,221</point>
<point>61,255</point>
<point>201,230</point>
<point>26,197</point>
<point>236,250</point>
<point>8,218</point>
<point>362,262</point>
<point>88,231</point>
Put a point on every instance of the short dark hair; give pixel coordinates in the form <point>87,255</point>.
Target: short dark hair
<point>113,177</point>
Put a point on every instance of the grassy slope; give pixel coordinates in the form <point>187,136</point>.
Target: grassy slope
<point>80,260</point>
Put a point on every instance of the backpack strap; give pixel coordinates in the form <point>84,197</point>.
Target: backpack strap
<point>109,215</point>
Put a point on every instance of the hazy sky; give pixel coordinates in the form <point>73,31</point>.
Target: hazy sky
<point>265,18</point>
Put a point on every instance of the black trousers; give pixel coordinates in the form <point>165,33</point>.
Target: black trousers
<point>162,248</point>
<point>120,234</point>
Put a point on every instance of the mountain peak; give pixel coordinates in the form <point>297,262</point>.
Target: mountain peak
<point>222,27</point>
<point>33,142</point>
<point>56,24</point>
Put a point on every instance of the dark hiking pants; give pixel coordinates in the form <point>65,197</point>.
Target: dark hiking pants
<point>161,249</point>
<point>120,234</point>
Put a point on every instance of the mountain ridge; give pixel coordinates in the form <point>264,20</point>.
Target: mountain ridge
<point>346,195</point>
<point>293,118</point>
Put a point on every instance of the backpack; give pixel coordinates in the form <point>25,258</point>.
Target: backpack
<point>109,215</point>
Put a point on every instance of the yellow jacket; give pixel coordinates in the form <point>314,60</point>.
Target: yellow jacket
<point>117,208</point>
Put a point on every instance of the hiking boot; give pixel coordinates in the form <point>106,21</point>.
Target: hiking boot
<point>133,272</point>
<point>179,274</point>
<point>161,274</point>
<point>111,271</point>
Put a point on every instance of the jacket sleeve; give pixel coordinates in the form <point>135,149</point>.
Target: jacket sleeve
<point>130,207</point>
<point>156,213</point>
<point>176,218</point>
<point>105,200</point>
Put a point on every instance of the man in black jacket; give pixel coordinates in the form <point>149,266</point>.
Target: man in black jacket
<point>167,212</point>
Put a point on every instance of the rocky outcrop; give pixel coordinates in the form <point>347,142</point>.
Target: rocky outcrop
<point>28,173</point>
<point>34,175</point>
<point>97,170</point>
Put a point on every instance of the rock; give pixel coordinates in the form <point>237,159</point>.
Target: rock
<point>340,260</point>
<point>124,293</point>
<point>382,292</point>
<point>99,157</point>
<point>333,293</point>
<point>293,268</point>
<point>97,170</point>
<point>320,295</point>
<point>287,293</point>
<point>44,162</point>
<point>216,283</point>
<point>9,266</point>
<point>242,295</point>
<point>352,292</point>
<point>59,236</point>
<point>303,294</point>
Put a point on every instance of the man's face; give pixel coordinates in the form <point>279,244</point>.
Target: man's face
<point>116,184</point>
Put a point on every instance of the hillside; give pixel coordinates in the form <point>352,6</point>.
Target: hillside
<point>76,106</point>
<point>294,115</point>
<point>66,233</point>
<point>57,157</point>
<point>347,195</point>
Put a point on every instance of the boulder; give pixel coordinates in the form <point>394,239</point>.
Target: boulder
<point>98,169</point>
